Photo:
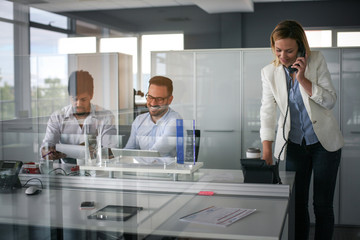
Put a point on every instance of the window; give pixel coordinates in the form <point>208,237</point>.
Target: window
<point>126,45</point>
<point>6,10</point>
<point>348,39</point>
<point>47,18</point>
<point>7,98</point>
<point>48,72</point>
<point>319,38</point>
<point>323,38</point>
<point>77,45</point>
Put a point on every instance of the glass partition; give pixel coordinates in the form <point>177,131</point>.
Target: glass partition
<point>101,167</point>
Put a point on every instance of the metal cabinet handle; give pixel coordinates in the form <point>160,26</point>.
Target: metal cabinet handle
<point>218,130</point>
<point>22,129</point>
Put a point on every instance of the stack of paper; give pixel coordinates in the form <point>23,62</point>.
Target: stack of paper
<point>217,216</point>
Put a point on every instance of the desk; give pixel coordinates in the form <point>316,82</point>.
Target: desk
<point>164,202</point>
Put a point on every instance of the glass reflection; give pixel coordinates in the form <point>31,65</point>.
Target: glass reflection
<point>7,97</point>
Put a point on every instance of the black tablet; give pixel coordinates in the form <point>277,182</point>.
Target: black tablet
<point>115,213</point>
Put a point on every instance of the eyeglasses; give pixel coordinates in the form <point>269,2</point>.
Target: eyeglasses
<point>157,99</point>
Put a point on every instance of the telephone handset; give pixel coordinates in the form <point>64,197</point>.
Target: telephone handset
<point>9,170</point>
<point>301,53</point>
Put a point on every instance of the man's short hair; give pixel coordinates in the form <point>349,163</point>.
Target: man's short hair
<point>162,81</point>
<point>80,82</point>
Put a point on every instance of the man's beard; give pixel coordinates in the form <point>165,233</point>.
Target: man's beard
<point>159,110</point>
<point>82,111</point>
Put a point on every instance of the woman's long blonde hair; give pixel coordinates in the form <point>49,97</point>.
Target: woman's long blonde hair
<point>289,29</point>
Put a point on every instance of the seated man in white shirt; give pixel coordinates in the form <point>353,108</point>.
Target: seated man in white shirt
<point>81,118</point>
<point>156,130</point>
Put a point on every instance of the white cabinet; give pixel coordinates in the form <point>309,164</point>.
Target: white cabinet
<point>252,63</point>
<point>218,108</point>
<point>350,114</point>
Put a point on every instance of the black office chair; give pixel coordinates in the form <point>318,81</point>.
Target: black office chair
<point>189,156</point>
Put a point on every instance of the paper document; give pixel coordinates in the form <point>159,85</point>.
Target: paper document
<point>72,151</point>
<point>218,216</point>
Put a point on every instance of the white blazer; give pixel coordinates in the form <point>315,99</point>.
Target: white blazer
<point>319,105</point>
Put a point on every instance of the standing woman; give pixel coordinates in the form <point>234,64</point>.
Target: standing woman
<point>308,134</point>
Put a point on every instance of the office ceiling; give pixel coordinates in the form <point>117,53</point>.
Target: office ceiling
<point>135,16</point>
<point>209,6</point>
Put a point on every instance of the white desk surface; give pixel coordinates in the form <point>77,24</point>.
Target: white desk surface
<point>160,216</point>
<point>164,202</point>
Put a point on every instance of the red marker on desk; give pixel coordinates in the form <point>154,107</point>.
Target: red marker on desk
<point>206,193</point>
